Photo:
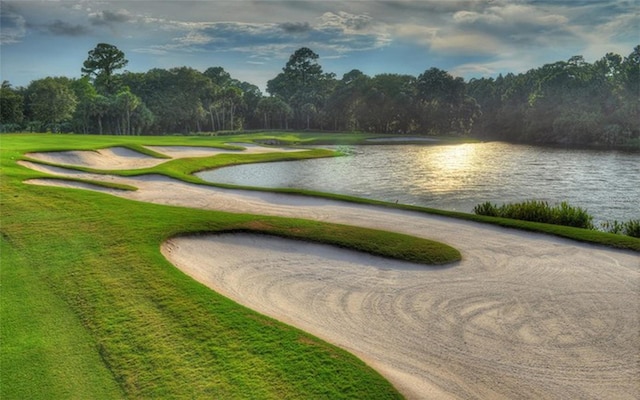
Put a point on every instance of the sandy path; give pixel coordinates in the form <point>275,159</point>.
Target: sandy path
<point>522,316</point>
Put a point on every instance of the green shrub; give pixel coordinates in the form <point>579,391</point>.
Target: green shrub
<point>632,228</point>
<point>612,227</point>
<point>539,211</point>
<point>486,208</point>
<point>629,228</point>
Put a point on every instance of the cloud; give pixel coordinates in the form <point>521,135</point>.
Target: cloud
<point>516,21</point>
<point>493,29</point>
<point>471,17</point>
<point>194,38</point>
<point>107,17</point>
<point>13,26</point>
<point>62,28</point>
<point>336,33</point>
<point>295,27</point>
<point>345,21</point>
<point>346,32</point>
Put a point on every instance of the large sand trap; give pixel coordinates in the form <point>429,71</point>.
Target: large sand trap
<point>522,316</point>
<point>200,151</point>
<point>516,329</point>
<point>110,158</point>
<point>115,158</point>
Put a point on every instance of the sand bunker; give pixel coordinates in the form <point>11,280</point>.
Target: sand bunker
<point>110,158</point>
<point>200,151</point>
<point>118,158</point>
<point>521,316</point>
<point>512,329</point>
<point>404,139</point>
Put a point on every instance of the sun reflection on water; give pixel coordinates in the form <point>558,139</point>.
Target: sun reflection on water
<point>460,176</point>
<point>452,166</point>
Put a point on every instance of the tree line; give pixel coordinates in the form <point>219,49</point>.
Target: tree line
<point>568,102</point>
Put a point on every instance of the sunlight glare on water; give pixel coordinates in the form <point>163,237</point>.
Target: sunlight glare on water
<point>455,165</point>
<point>459,176</point>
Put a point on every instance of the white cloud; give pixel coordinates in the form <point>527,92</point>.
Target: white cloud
<point>475,43</point>
<point>345,21</point>
<point>108,17</point>
<point>470,17</point>
<point>519,14</point>
<point>194,38</point>
<point>448,42</point>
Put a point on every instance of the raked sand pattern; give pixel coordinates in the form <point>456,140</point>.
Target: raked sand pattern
<point>522,316</point>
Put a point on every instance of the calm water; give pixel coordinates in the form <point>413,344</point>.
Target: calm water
<point>457,177</point>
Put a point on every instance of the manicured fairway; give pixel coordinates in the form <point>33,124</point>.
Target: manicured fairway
<point>91,309</point>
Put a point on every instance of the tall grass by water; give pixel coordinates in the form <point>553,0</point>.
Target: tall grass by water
<point>561,214</point>
<point>539,211</point>
<point>629,228</point>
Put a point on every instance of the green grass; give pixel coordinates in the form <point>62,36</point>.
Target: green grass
<point>91,309</point>
<point>45,349</point>
<point>539,211</point>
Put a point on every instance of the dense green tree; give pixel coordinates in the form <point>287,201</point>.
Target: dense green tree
<point>231,104</point>
<point>141,120</point>
<point>175,97</point>
<point>251,96</point>
<point>229,99</point>
<point>300,74</point>
<point>11,108</point>
<point>101,65</point>
<point>570,102</point>
<point>387,104</point>
<point>126,103</point>
<point>443,104</point>
<point>275,112</point>
<point>100,107</point>
<point>86,94</point>
<point>219,77</point>
<point>566,102</point>
<point>344,105</point>
<point>52,102</point>
<point>303,85</point>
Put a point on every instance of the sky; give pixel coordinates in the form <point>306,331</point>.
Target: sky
<point>252,40</point>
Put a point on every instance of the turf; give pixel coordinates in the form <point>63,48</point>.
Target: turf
<point>91,309</point>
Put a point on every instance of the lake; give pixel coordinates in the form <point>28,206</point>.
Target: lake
<point>459,176</point>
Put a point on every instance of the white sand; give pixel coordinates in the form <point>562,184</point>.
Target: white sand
<point>115,158</point>
<point>523,316</point>
<point>110,158</point>
<point>201,151</point>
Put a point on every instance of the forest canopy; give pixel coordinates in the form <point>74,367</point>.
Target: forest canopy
<point>570,102</point>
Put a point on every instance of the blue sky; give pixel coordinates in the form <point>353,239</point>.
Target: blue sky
<point>253,40</point>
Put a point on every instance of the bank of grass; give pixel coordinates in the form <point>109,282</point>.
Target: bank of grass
<point>90,308</point>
